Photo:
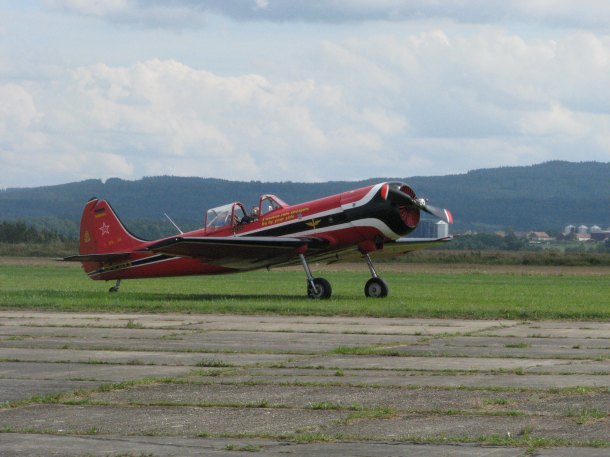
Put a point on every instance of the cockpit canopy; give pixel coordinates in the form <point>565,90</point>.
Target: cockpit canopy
<point>270,203</point>
<point>233,214</point>
<point>224,216</point>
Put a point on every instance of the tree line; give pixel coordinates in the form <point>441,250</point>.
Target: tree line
<point>20,232</point>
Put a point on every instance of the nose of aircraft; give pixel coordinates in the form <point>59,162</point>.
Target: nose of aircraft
<point>402,195</point>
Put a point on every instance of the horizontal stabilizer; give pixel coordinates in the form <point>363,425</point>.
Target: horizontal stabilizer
<point>110,257</point>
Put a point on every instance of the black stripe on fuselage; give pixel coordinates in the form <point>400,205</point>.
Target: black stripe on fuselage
<point>303,225</point>
<point>376,208</point>
<point>383,210</point>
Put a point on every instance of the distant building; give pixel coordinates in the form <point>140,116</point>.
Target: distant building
<point>569,229</point>
<point>601,235</point>
<point>584,233</point>
<point>442,229</point>
<point>430,229</point>
<point>539,237</point>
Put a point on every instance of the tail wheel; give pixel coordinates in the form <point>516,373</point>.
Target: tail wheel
<point>376,288</point>
<point>115,288</point>
<point>322,290</point>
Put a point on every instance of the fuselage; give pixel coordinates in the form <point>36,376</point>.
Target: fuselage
<point>366,217</point>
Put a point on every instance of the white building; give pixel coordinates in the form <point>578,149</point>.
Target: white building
<point>442,229</point>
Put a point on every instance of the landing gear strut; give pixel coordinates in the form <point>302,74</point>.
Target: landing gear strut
<point>115,288</point>
<point>374,287</point>
<point>318,288</point>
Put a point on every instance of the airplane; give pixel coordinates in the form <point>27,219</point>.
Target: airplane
<point>360,223</point>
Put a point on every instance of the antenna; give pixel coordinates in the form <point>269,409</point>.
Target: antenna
<point>173,223</point>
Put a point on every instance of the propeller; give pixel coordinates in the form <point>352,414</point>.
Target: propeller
<point>399,197</point>
<point>441,213</point>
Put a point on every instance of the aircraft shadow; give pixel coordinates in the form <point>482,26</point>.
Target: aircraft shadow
<point>58,295</point>
<point>208,296</point>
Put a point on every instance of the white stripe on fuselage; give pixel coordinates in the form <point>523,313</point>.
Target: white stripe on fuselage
<point>364,200</point>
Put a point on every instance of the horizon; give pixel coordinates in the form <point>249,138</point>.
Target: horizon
<point>375,178</point>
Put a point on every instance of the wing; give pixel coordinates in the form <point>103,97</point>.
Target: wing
<point>392,249</point>
<point>405,245</point>
<point>240,253</point>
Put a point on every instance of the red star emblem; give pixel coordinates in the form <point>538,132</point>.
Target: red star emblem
<point>105,229</point>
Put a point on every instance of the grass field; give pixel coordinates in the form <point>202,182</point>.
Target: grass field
<point>520,293</point>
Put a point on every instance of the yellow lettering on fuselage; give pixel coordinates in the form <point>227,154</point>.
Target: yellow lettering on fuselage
<point>284,216</point>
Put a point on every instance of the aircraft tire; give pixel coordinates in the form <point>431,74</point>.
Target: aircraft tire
<point>323,289</point>
<point>376,288</point>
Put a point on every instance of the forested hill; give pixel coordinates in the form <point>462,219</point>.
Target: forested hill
<point>548,195</point>
<point>543,196</point>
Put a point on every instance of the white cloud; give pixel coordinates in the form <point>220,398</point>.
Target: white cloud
<point>385,122</point>
<point>17,110</point>
<point>163,117</point>
<point>557,120</point>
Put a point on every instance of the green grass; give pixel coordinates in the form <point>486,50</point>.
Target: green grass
<point>588,415</point>
<point>461,295</point>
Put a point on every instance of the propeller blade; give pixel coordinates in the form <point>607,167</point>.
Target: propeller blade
<point>441,213</point>
<point>401,198</point>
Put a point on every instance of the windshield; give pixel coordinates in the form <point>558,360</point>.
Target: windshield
<point>219,217</point>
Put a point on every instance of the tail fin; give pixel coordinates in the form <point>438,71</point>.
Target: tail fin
<point>102,232</point>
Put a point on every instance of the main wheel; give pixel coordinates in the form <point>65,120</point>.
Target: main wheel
<point>376,288</point>
<point>322,289</point>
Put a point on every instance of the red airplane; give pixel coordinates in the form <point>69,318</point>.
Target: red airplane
<point>357,223</point>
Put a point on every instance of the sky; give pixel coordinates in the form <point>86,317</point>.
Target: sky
<point>292,90</point>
